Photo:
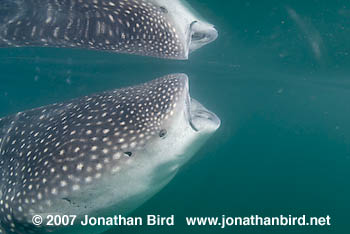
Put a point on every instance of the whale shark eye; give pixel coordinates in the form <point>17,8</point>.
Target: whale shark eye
<point>67,199</point>
<point>163,9</point>
<point>128,154</point>
<point>162,133</point>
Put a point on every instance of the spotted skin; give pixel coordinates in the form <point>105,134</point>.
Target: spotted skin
<point>139,27</point>
<point>50,152</point>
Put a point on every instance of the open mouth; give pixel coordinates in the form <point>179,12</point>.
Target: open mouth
<point>201,34</point>
<point>199,117</point>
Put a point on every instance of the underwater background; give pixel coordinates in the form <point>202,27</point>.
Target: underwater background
<point>278,76</point>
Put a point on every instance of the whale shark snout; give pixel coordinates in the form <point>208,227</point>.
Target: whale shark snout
<point>193,31</point>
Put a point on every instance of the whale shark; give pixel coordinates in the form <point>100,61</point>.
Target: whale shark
<point>159,28</point>
<point>98,155</point>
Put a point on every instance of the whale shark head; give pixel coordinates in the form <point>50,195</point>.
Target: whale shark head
<point>102,154</point>
<point>193,31</point>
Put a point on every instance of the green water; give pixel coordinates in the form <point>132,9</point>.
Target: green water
<point>278,77</point>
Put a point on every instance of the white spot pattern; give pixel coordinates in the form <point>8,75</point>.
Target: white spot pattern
<point>127,26</point>
<point>41,160</point>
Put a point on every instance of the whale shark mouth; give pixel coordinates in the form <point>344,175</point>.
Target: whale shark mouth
<point>196,114</point>
<point>199,118</point>
<point>200,34</point>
